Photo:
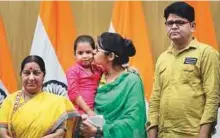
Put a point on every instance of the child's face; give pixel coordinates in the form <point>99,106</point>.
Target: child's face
<point>84,54</point>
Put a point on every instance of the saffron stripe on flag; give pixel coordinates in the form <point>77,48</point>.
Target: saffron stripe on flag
<point>205,29</point>
<point>8,82</point>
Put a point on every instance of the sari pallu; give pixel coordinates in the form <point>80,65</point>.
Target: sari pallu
<point>37,117</point>
<point>122,104</point>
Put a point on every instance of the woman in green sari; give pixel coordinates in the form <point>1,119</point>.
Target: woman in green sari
<point>120,96</point>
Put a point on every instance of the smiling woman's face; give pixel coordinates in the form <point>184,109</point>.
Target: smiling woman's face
<point>32,77</point>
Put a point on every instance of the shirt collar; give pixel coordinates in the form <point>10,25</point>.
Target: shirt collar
<point>193,44</point>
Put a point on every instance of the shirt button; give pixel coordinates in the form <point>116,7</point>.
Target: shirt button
<point>148,123</point>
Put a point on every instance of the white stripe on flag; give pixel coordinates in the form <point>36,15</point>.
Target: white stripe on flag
<point>3,92</point>
<point>111,28</point>
<point>3,87</point>
<point>42,46</point>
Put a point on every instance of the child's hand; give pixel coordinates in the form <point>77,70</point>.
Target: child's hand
<point>84,117</point>
<point>91,113</point>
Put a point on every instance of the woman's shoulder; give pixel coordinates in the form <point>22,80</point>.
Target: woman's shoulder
<point>130,78</point>
<point>52,95</point>
<point>133,76</point>
<point>11,97</point>
<point>57,100</point>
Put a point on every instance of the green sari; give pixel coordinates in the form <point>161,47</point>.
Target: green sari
<point>123,106</point>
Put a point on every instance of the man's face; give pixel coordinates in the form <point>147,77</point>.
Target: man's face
<point>178,28</point>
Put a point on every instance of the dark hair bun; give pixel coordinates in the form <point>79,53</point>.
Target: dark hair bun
<point>129,47</point>
<point>114,42</point>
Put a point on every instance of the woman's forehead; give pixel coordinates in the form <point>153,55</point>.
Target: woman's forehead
<point>31,66</point>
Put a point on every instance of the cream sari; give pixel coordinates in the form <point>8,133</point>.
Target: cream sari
<point>37,117</point>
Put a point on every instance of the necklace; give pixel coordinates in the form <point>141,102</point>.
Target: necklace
<point>27,96</point>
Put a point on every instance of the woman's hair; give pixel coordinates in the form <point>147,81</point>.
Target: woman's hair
<point>36,59</point>
<point>114,43</point>
<point>84,38</point>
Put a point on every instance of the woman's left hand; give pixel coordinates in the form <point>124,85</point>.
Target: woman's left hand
<point>88,130</point>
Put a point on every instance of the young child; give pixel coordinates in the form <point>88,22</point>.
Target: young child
<point>83,77</point>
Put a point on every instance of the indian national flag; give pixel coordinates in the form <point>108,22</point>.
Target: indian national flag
<point>8,83</point>
<point>128,20</point>
<point>53,41</point>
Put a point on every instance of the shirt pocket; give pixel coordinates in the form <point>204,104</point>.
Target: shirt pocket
<point>187,73</point>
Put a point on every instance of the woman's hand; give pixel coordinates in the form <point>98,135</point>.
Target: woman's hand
<point>88,130</point>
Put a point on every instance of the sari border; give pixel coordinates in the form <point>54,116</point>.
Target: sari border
<point>61,119</point>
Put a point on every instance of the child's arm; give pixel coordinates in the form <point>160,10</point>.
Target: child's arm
<point>82,104</point>
<point>74,92</point>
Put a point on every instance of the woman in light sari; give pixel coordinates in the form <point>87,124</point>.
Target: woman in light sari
<point>120,97</point>
<point>32,113</point>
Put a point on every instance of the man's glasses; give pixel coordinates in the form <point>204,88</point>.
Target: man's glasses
<point>178,23</point>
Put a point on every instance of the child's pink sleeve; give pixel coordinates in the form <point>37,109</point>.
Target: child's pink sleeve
<point>72,84</point>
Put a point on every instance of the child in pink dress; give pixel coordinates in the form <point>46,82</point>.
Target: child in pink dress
<point>83,77</point>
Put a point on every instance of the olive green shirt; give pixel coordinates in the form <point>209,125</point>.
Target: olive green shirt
<point>186,90</point>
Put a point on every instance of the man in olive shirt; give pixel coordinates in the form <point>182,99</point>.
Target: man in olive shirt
<point>186,87</point>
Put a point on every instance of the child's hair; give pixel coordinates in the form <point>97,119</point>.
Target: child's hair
<point>84,38</point>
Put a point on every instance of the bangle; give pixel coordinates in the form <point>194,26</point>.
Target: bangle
<point>98,133</point>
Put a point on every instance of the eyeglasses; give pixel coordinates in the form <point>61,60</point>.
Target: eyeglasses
<point>100,47</point>
<point>97,49</point>
<point>178,23</point>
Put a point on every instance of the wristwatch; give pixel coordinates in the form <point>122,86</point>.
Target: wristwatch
<point>98,132</point>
